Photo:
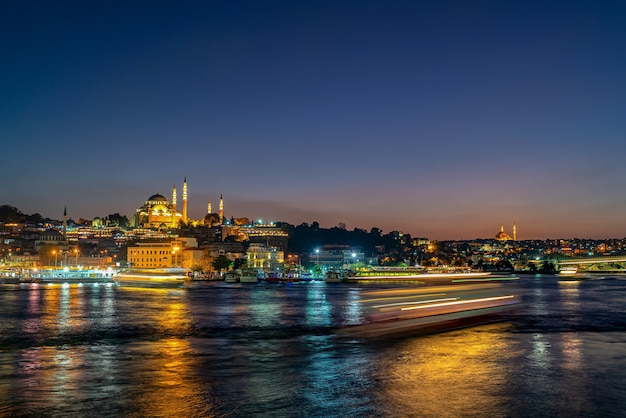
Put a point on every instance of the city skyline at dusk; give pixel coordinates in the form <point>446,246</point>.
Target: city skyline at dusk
<point>439,119</point>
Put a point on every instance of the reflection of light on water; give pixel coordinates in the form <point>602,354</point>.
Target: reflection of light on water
<point>454,374</point>
<point>53,373</point>
<point>264,312</point>
<point>540,352</point>
<point>317,310</point>
<point>571,347</point>
<point>33,323</point>
<point>169,381</point>
<point>570,296</point>
<point>539,307</point>
<point>353,309</point>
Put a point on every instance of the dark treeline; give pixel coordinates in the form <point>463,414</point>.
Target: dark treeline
<point>305,238</point>
<point>10,214</point>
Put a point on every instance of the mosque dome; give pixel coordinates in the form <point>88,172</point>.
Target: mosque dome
<point>157,198</point>
<point>503,236</point>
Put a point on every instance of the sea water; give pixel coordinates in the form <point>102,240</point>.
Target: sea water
<point>240,350</point>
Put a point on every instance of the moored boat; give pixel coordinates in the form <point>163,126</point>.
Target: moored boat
<point>409,274</point>
<point>333,276</point>
<point>249,275</point>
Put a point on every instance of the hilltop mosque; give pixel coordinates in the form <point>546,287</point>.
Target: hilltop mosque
<point>503,236</point>
<point>158,212</point>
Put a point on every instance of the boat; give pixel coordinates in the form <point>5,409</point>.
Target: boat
<point>431,308</point>
<point>159,277</point>
<point>571,274</point>
<point>408,274</point>
<point>64,275</point>
<point>272,277</point>
<point>248,275</point>
<point>333,276</point>
<point>231,277</point>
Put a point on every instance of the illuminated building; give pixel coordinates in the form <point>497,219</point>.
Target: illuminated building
<point>157,212</point>
<point>159,254</point>
<point>503,236</point>
<point>268,234</point>
<point>260,256</point>
<point>514,232</point>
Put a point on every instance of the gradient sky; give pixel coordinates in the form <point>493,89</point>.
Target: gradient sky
<point>439,119</point>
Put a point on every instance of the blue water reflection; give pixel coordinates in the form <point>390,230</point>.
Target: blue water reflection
<point>272,350</point>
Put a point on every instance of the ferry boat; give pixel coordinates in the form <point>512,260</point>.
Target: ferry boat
<point>160,277</point>
<point>248,275</point>
<point>231,277</point>
<point>571,274</point>
<point>64,275</point>
<point>408,274</point>
<point>431,308</point>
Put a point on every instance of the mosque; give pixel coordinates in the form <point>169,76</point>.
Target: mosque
<point>503,236</point>
<point>159,213</point>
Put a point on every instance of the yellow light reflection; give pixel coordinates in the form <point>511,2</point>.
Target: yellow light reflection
<point>460,373</point>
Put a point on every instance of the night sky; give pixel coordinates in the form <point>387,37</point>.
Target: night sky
<point>439,119</point>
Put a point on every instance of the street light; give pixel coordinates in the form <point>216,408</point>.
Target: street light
<point>174,256</point>
<point>76,252</point>
<point>317,263</point>
<point>55,258</point>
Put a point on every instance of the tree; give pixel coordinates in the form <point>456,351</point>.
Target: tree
<point>221,263</point>
<point>211,219</point>
<point>10,214</point>
<point>547,267</point>
<point>239,263</point>
<point>116,219</point>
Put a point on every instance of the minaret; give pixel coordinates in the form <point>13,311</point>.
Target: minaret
<point>514,232</point>
<point>221,210</point>
<point>174,198</point>
<point>65,223</point>
<point>208,209</point>
<point>185,200</point>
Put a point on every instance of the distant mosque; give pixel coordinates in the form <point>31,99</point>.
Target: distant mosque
<point>159,213</point>
<point>503,236</point>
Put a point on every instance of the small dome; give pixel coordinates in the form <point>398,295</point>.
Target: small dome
<point>157,198</point>
<point>51,233</point>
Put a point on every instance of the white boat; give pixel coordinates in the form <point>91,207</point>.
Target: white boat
<point>231,277</point>
<point>249,276</point>
<point>161,277</point>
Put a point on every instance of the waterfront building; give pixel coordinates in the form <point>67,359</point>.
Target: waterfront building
<point>230,250</point>
<point>268,258</point>
<point>51,237</point>
<point>164,254</point>
<point>268,234</point>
